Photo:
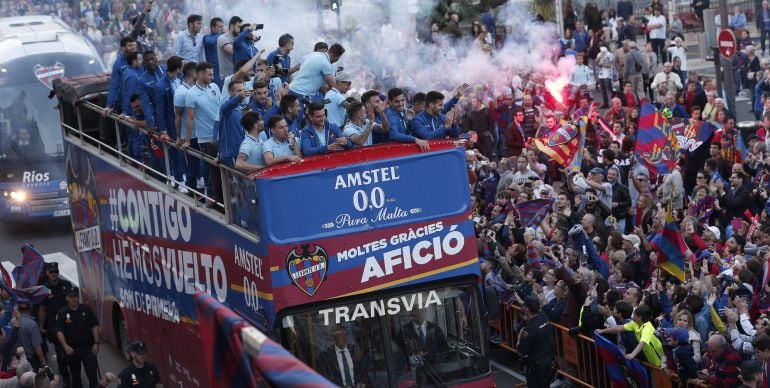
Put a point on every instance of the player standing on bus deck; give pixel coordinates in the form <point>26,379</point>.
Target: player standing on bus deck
<point>47,310</point>
<point>535,344</point>
<point>139,373</point>
<point>78,334</point>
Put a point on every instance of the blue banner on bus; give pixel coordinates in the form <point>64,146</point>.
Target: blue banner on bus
<point>366,196</point>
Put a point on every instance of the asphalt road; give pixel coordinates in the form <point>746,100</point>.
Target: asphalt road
<point>50,237</point>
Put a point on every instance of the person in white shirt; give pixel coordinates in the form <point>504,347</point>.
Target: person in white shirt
<point>581,75</point>
<point>657,27</point>
<point>678,50</point>
<point>604,63</point>
<point>668,78</point>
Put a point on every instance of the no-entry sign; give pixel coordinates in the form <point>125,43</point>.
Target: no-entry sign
<point>726,43</point>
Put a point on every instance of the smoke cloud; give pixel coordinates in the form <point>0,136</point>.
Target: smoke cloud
<point>382,49</point>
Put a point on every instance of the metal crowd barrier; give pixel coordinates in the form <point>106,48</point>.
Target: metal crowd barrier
<point>576,357</point>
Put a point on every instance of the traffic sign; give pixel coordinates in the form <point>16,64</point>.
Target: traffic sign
<point>726,43</point>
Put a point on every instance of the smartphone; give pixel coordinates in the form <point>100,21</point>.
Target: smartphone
<point>259,26</point>
<point>476,219</point>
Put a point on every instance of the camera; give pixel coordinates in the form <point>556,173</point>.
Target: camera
<point>278,67</point>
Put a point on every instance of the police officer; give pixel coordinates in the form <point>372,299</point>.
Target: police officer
<point>47,310</point>
<point>139,373</point>
<point>535,344</point>
<point>78,334</point>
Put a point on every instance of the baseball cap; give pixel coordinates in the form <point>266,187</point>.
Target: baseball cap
<point>51,266</point>
<point>344,76</point>
<point>139,347</point>
<point>74,291</point>
<point>678,334</point>
<point>633,239</point>
<point>597,170</point>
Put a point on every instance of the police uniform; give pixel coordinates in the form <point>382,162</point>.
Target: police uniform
<point>77,326</point>
<point>55,301</point>
<point>134,377</point>
<point>536,346</point>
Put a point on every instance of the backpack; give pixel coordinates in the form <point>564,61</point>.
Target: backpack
<point>637,65</point>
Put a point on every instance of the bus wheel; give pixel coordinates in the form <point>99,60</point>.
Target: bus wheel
<point>121,333</point>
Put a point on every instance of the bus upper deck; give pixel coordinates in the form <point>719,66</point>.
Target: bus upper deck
<point>373,247</point>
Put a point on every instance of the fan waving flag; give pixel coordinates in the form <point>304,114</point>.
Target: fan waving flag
<point>623,373</point>
<point>704,208</point>
<point>656,143</point>
<point>26,274</point>
<point>670,247</point>
<point>531,213</point>
<point>562,145</point>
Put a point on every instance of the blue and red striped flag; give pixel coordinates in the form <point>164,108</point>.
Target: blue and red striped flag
<point>671,248</point>
<point>231,366</point>
<point>27,274</point>
<point>563,144</point>
<point>704,208</point>
<point>656,143</point>
<point>531,213</point>
<point>223,352</point>
<point>623,373</point>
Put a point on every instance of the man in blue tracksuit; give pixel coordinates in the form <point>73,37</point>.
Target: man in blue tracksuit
<point>244,45</point>
<point>395,114</point>
<point>289,109</point>
<point>320,136</point>
<point>217,26</point>
<point>150,74</point>
<point>438,120</point>
<point>230,133</point>
<point>127,45</point>
<point>132,86</point>
<point>165,115</point>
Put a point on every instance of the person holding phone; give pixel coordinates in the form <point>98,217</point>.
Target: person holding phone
<point>723,364</point>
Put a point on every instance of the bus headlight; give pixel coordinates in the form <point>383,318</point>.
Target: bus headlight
<point>18,196</point>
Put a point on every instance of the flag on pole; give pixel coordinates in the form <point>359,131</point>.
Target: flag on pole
<point>623,373</point>
<point>562,145</point>
<point>656,144</point>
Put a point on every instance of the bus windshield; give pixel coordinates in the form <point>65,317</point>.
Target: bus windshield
<point>29,121</point>
<point>427,337</point>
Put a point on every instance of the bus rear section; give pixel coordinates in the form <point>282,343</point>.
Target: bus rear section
<point>35,51</point>
<point>372,248</point>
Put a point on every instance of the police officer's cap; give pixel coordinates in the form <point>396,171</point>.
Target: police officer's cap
<point>139,347</point>
<point>74,291</point>
<point>51,266</point>
<point>532,303</point>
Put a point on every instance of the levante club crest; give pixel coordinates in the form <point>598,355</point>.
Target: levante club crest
<point>307,267</point>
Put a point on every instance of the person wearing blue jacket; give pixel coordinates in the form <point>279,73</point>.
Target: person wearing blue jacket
<point>289,109</point>
<point>216,26</point>
<point>231,134</point>
<point>438,119</point>
<point>127,45</point>
<point>165,114</point>
<point>132,86</point>
<point>150,74</point>
<point>244,45</point>
<point>400,130</point>
<point>320,136</point>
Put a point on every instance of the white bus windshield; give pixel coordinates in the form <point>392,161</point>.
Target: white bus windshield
<point>29,121</point>
<point>427,338</point>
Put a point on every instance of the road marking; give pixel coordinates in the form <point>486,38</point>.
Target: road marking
<point>507,370</point>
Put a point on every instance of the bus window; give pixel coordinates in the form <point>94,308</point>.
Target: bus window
<point>432,337</point>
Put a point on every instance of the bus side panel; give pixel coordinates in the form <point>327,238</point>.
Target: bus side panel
<point>371,261</point>
<point>150,251</point>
